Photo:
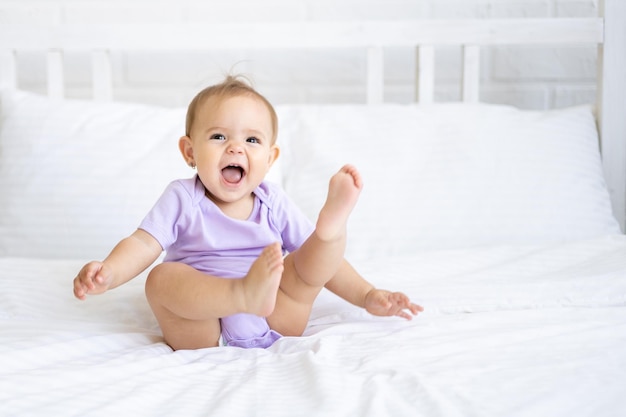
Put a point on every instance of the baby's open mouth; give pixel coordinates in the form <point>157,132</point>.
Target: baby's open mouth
<point>233,174</point>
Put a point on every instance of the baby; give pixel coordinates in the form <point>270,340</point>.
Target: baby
<point>242,262</point>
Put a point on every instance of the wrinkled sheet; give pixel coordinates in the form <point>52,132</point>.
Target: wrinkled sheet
<point>507,331</point>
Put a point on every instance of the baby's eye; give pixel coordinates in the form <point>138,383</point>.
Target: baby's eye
<point>218,136</point>
<point>253,140</point>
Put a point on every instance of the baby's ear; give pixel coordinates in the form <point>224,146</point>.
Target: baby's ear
<point>186,149</point>
<point>274,154</point>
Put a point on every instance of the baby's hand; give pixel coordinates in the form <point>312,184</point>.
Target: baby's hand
<point>93,278</point>
<point>386,303</point>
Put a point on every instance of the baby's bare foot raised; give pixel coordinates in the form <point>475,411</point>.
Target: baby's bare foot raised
<point>343,193</point>
<point>261,283</point>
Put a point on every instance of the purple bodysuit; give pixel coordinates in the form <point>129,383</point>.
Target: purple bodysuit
<point>193,230</point>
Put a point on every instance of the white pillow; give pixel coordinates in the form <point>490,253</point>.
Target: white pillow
<point>450,175</point>
<point>77,176</point>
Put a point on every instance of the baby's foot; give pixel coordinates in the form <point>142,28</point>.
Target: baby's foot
<point>262,281</point>
<point>343,192</point>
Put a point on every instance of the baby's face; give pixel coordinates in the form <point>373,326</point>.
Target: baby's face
<point>232,146</point>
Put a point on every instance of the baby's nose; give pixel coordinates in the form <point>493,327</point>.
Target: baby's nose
<point>235,147</point>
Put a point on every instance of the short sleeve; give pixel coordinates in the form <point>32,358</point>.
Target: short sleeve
<point>166,217</point>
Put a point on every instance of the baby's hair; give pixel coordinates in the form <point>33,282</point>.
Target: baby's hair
<point>232,86</point>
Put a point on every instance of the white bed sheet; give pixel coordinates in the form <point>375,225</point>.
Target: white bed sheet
<point>507,331</point>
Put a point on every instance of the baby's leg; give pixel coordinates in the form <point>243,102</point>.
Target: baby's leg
<point>188,303</point>
<point>310,267</point>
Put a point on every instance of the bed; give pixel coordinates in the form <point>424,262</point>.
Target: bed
<point>505,224</point>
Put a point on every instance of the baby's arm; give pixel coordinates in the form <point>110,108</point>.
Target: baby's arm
<point>352,287</point>
<point>128,259</point>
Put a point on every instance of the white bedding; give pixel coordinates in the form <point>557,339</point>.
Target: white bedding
<point>498,221</point>
<point>533,330</point>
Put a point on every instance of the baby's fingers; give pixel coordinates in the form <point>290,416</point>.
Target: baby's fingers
<point>79,289</point>
<point>404,303</point>
<point>404,315</point>
<point>82,286</point>
<point>87,280</point>
<point>413,308</point>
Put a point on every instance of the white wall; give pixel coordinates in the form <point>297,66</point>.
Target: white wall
<point>536,77</point>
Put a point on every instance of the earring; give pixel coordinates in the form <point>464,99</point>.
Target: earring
<point>192,165</point>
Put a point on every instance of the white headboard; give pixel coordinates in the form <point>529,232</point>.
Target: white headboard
<point>607,31</point>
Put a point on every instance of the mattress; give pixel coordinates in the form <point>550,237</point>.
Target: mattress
<point>508,330</point>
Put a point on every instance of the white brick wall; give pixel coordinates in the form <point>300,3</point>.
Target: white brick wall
<point>527,77</point>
